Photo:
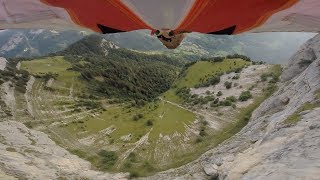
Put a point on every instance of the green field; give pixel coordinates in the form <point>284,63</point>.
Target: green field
<point>166,118</point>
<point>65,80</point>
<point>202,70</point>
<point>51,64</point>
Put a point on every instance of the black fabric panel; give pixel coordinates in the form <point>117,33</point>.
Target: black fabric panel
<point>227,31</point>
<point>108,30</point>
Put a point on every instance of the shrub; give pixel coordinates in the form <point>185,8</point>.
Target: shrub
<point>194,96</point>
<point>210,81</point>
<point>148,166</point>
<point>214,80</point>
<point>132,157</point>
<point>183,93</point>
<point>214,104</point>
<point>134,174</point>
<point>218,59</point>
<point>225,103</point>
<point>219,93</point>
<point>137,117</point>
<point>245,95</point>
<point>202,101</point>
<point>264,77</point>
<point>149,123</point>
<point>231,99</point>
<point>236,76</point>
<point>108,158</point>
<point>204,122</point>
<point>140,103</point>
<point>270,89</point>
<point>228,84</point>
<point>202,133</point>
<point>199,140</point>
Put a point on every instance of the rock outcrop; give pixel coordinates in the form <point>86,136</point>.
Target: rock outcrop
<point>268,147</point>
<point>3,63</point>
<point>308,53</point>
<point>30,154</point>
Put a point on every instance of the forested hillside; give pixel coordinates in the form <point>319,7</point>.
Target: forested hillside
<point>124,79</point>
<point>120,73</point>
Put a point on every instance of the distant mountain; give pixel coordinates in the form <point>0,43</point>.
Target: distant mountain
<point>26,43</point>
<point>269,47</point>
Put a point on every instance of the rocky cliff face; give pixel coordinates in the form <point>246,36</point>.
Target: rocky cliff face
<point>272,146</point>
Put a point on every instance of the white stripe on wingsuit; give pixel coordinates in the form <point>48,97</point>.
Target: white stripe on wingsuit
<point>160,14</point>
<point>33,14</point>
<point>303,16</point>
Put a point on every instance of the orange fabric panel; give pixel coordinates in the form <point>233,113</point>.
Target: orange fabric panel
<point>214,15</point>
<point>110,13</point>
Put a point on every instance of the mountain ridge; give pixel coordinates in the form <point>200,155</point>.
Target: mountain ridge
<point>269,47</point>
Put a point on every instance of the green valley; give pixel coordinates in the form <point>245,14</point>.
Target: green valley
<point>133,112</point>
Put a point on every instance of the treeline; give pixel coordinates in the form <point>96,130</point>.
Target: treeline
<point>121,73</point>
<point>124,78</point>
<point>234,56</point>
<point>239,56</point>
<point>221,58</point>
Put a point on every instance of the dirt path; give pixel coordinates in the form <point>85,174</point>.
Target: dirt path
<point>28,95</point>
<point>211,118</point>
<point>175,104</point>
<point>141,141</point>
